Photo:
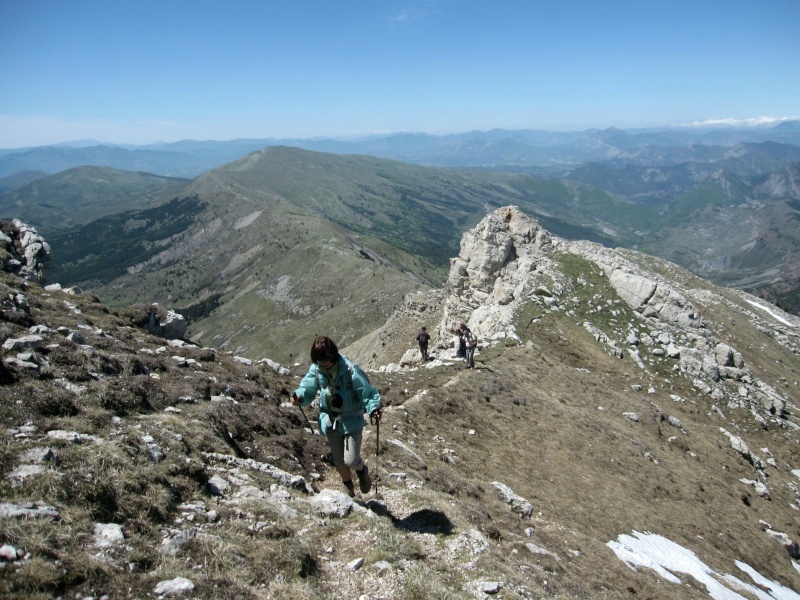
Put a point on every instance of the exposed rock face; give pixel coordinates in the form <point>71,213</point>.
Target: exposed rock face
<point>507,259</point>
<point>648,294</point>
<point>503,261</point>
<point>165,323</point>
<point>23,251</point>
<point>715,367</point>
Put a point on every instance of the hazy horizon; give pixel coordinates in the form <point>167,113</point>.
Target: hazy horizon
<point>710,124</point>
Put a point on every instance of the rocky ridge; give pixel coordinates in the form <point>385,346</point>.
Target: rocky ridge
<point>133,461</point>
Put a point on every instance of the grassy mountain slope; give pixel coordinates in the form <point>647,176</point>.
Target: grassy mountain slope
<point>783,183</point>
<point>548,417</point>
<point>83,194</point>
<point>721,232</point>
<point>19,179</point>
<point>719,189</point>
<point>284,242</point>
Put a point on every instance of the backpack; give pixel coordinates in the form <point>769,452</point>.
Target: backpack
<point>354,368</point>
<point>348,384</point>
<point>472,340</point>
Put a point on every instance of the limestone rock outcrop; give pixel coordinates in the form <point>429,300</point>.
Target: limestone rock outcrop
<point>23,251</point>
<point>504,260</point>
<point>165,323</point>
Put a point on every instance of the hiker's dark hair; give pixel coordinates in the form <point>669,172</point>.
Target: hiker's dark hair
<point>323,348</point>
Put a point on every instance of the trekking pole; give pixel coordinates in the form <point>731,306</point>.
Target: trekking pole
<point>377,450</point>
<point>306,418</point>
<point>313,431</point>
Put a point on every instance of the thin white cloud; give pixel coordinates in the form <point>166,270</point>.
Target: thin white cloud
<point>412,11</point>
<point>732,122</point>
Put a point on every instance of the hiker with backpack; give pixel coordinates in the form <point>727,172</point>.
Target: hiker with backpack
<point>423,337</point>
<point>471,342</point>
<point>345,395</point>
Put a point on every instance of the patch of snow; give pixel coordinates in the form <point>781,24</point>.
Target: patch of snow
<point>667,558</point>
<point>772,314</point>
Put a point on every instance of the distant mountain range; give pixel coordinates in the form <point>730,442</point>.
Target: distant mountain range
<point>545,153</point>
<point>284,239</point>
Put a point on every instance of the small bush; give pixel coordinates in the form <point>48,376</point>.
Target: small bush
<point>132,395</point>
<point>55,405</point>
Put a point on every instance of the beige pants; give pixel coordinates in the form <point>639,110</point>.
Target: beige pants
<point>346,449</point>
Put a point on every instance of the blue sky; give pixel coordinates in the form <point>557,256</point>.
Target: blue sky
<point>140,71</point>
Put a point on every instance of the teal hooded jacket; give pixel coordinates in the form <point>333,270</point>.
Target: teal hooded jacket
<point>357,393</point>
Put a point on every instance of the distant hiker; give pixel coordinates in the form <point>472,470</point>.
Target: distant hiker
<point>345,394</point>
<point>471,341</point>
<point>462,343</point>
<point>423,338</point>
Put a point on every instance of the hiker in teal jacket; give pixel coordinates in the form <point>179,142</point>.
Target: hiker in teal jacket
<point>345,395</point>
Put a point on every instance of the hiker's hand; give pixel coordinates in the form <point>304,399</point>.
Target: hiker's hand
<point>295,399</point>
<point>377,414</point>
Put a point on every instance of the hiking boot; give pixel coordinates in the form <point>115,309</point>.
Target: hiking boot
<point>350,490</point>
<point>364,481</point>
